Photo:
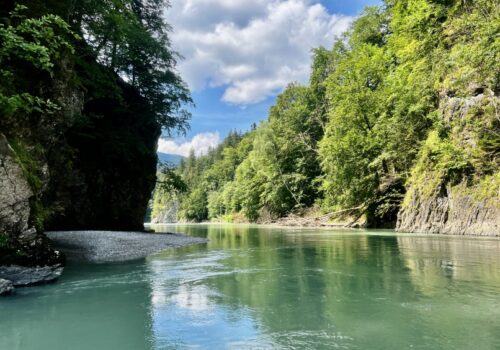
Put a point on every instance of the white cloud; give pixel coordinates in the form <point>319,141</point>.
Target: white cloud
<point>251,48</point>
<point>200,143</point>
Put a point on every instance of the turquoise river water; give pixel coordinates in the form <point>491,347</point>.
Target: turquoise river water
<point>257,287</point>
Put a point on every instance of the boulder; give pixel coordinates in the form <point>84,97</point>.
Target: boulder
<point>6,287</point>
<point>21,276</point>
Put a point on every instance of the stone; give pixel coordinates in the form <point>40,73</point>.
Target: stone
<point>16,192</point>
<point>20,243</point>
<point>453,209</point>
<point>450,213</point>
<point>21,276</point>
<point>28,235</point>
<point>6,287</point>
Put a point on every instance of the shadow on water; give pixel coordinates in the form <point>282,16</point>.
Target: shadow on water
<point>91,307</point>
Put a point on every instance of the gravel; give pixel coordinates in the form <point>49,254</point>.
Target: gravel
<point>111,246</point>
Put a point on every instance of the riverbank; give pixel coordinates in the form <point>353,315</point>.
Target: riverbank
<point>353,218</point>
<point>94,247</point>
<point>113,246</point>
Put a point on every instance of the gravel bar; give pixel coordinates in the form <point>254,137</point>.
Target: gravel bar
<point>112,246</point>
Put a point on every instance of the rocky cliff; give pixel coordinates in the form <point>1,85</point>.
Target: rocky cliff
<point>457,194</point>
<point>451,211</point>
<point>20,241</point>
<point>106,166</point>
<point>89,165</point>
<point>86,91</point>
<point>94,171</point>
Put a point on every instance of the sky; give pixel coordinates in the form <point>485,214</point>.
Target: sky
<point>238,55</point>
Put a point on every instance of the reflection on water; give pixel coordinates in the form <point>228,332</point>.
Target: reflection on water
<point>285,288</point>
<point>436,262</point>
<point>257,287</point>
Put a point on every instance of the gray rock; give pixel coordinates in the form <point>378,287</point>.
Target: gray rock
<point>20,243</point>
<point>15,193</point>
<point>453,209</point>
<point>6,287</point>
<point>25,276</point>
<point>167,213</point>
<point>451,213</point>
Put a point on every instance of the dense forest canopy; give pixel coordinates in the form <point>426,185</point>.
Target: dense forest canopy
<point>373,126</point>
<point>129,37</point>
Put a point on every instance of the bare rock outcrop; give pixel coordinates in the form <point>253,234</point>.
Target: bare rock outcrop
<point>15,192</point>
<point>20,242</point>
<point>21,276</point>
<point>450,212</point>
<point>457,194</point>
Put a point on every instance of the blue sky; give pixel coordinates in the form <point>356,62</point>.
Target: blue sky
<point>239,54</point>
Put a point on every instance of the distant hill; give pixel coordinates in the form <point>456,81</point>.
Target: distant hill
<point>170,158</point>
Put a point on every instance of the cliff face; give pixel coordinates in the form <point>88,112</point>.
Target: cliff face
<point>452,211</point>
<point>20,242</point>
<point>110,154</point>
<point>460,194</point>
<point>85,93</point>
<point>16,192</point>
<point>91,166</point>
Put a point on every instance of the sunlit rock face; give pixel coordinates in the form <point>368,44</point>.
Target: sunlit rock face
<point>450,212</point>
<point>466,201</point>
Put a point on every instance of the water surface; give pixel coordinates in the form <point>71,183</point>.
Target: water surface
<point>257,288</point>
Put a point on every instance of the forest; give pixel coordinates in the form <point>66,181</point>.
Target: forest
<point>402,109</point>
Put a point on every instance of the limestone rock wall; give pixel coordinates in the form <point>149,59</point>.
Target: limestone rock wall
<point>458,192</point>
<point>451,212</point>
<point>15,192</point>
<point>20,243</point>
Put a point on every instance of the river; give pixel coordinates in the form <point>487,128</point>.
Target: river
<point>254,287</point>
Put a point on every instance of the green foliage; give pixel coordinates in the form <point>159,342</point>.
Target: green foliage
<point>169,180</point>
<point>31,52</point>
<point>407,98</point>
<point>384,96</point>
<point>194,205</point>
<point>205,177</point>
<point>4,241</point>
<point>353,138</point>
<point>445,162</point>
<point>29,48</point>
<point>131,38</point>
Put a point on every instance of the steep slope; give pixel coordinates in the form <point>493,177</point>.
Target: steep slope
<point>80,117</point>
<point>454,192</point>
<point>398,127</point>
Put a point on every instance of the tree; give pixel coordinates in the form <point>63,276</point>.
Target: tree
<point>30,49</point>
